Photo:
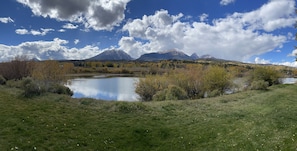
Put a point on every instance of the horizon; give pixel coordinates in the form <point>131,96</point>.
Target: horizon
<point>261,32</point>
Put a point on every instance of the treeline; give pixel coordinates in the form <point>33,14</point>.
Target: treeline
<point>35,77</point>
<point>139,68</point>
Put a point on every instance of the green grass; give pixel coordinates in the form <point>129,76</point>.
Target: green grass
<point>251,120</point>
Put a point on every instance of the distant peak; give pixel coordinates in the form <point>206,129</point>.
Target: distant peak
<point>112,54</point>
<point>194,56</point>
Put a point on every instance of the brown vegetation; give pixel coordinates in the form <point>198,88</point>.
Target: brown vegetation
<point>16,69</point>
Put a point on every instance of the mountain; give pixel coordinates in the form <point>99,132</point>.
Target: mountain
<point>167,55</point>
<point>112,55</point>
<point>194,56</point>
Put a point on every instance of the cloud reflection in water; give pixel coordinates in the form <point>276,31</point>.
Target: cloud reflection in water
<point>116,88</point>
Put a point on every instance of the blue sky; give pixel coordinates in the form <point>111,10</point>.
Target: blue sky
<point>260,31</point>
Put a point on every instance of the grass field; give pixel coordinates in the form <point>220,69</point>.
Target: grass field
<point>251,120</point>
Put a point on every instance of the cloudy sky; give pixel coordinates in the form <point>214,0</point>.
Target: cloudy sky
<point>260,31</point>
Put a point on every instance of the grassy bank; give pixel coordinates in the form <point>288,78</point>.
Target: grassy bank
<point>251,120</point>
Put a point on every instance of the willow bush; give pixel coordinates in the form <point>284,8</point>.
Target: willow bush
<point>150,85</point>
<point>216,80</point>
<point>189,83</point>
<point>267,74</point>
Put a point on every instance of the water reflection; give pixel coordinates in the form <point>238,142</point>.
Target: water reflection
<point>288,80</point>
<point>116,88</point>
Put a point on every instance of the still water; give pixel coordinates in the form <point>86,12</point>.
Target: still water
<point>110,89</point>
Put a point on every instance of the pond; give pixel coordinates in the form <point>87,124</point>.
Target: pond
<point>288,80</point>
<point>103,88</point>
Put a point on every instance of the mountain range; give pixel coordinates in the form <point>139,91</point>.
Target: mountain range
<point>120,55</point>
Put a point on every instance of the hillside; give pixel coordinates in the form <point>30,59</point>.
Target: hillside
<point>112,55</point>
<point>251,120</point>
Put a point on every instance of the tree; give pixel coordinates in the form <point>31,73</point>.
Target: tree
<point>49,72</point>
<point>16,69</point>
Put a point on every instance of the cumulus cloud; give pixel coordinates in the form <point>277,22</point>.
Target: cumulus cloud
<point>55,49</point>
<point>238,36</point>
<point>70,26</point>
<point>293,54</point>
<point>98,15</point>
<point>6,20</point>
<point>41,32</point>
<point>258,60</point>
<point>263,61</point>
<point>76,41</point>
<point>271,16</point>
<point>203,17</point>
<point>226,2</point>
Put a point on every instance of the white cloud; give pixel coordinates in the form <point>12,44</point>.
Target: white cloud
<point>61,30</point>
<point>261,61</point>
<point>226,2</point>
<point>76,41</point>
<point>287,63</point>
<point>6,20</point>
<point>22,31</point>
<point>235,37</point>
<point>271,16</point>
<point>54,49</point>
<point>70,26</point>
<point>203,17</point>
<point>95,14</point>
<point>41,32</point>
<point>293,54</point>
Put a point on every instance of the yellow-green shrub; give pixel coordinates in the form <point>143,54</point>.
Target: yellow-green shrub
<point>267,74</point>
<point>216,78</point>
<point>189,83</point>
<point>150,85</point>
<point>259,85</point>
<point>190,80</point>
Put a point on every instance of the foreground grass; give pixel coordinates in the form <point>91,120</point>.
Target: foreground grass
<point>252,120</point>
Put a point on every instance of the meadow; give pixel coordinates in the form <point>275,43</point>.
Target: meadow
<point>249,120</point>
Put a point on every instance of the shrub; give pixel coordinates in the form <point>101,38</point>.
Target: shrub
<point>60,89</point>
<point>176,93</point>
<point>259,85</point>
<point>31,88</point>
<point>190,80</point>
<point>49,72</point>
<point>216,78</point>
<point>16,69</point>
<point>150,85</point>
<point>171,93</point>
<point>160,95</point>
<point>267,74</point>
<point>2,80</point>
<point>214,93</point>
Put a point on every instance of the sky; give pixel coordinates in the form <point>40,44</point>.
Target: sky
<point>260,31</point>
